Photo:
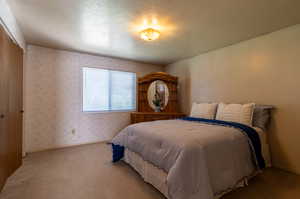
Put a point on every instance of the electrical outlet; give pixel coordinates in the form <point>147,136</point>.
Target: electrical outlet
<point>73,131</point>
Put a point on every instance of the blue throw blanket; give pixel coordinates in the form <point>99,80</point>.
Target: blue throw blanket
<point>253,138</point>
<point>118,152</point>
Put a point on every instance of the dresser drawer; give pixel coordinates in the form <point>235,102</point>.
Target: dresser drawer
<point>137,117</point>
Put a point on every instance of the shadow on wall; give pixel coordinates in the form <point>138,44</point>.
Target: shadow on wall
<point>184,90</point>
<point>279,154</point>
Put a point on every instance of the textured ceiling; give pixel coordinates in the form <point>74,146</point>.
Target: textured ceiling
<point>188,27</point>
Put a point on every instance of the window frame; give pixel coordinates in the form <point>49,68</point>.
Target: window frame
<point>107,111</point>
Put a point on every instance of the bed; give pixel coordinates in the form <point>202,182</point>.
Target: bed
<point>193,157</point>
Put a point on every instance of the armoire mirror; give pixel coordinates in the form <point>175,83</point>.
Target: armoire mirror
<point>157,92</point>
<point>158,95</point>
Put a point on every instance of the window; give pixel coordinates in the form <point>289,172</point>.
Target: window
<point>108,90</point>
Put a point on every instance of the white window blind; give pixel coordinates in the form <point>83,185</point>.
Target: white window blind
<point>108,90</point>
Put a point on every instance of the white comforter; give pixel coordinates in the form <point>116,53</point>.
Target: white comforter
<point>201,160</point>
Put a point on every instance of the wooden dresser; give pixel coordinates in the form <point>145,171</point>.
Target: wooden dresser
<point>137,117</point>
<point>162,85</point>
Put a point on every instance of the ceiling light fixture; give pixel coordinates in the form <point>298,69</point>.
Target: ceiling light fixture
<point>149,34</point>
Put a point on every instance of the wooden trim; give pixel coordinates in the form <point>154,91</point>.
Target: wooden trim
<point>156,113</point>
<point>158,76</point>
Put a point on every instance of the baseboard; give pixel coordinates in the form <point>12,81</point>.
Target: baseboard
<point>68,146</point>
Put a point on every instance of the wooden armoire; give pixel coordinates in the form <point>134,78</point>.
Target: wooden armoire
<point>11,103</point>
<point>145,112</point>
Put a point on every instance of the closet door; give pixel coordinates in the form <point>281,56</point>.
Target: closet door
<point>15,107</point>
<point>19,80</point>
<point>3,108</point>
<point>11,73</point>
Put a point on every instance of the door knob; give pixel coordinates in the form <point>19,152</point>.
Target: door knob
<point>21,111</point>
<point>2,116</point>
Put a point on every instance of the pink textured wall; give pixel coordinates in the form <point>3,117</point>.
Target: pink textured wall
<point>53,98</point>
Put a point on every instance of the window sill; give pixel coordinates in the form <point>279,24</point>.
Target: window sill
<point>116,111</point>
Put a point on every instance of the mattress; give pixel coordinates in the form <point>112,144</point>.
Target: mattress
<point>158,178</point>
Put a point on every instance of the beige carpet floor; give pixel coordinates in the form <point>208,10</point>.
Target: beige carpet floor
<point>86,172</point>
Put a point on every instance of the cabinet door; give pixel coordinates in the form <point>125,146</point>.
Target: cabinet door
<point>3,108</point>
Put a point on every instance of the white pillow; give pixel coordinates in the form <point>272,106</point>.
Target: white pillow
<point>241,113</point>
<point>204,110</point>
